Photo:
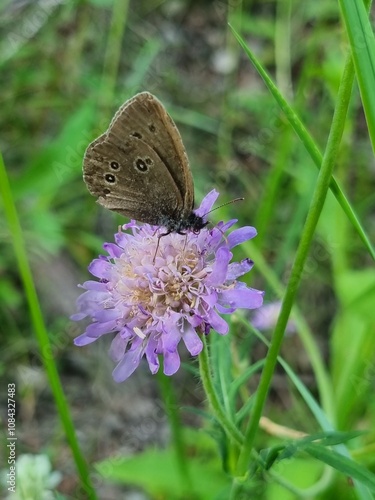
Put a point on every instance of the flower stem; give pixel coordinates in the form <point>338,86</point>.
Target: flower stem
<point>205,372</point>
<point>316,206</point>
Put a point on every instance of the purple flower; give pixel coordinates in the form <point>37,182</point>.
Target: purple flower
<point>266,317</point>
<point>153,300</point>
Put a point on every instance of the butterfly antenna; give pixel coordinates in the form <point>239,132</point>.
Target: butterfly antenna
<point>223,205</point>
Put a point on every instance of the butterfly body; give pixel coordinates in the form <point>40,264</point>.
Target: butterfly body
<point>139,167</point>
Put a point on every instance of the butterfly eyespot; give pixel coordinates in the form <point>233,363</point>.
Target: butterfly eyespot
<point>110,178</point>
<point>106,191</point>
<point>149,161</point>
<point>152,127</point>
<point>140,164</point>
<point>115,165</point>
<point>137,135</point>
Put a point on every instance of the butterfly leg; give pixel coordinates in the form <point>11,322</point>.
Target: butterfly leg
<point>157,246</point>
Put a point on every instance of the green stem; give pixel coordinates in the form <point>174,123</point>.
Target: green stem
<point>41,331</point>
<point>316,206</point>
<point>219,413</point>
<point>324,382</point>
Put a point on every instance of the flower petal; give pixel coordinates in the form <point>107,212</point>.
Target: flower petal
<point>242,297</point>
<point>236,269</point>
<point>217,322</point>
<point>171,362</point>
<point>207,203</point>
<point>83,340</point>
<point>113,250</point>
<point>89,302</point>
<point>118,347</point>
<point>97,286</point>
<point>211,298</point>
<point>127,365</point>
<point>224,226</point>
<point>171,338</point>
<point>106,315</point>
<point>220,267</point>
<point>194,320</point>
<point>191,340</point>
<point>224,310</point>
<point>240,235</point>
<point>123,239</point>
<point>78,316</point>
<point>152,358</point>
<point>97,329</point>
<point>101,268</point>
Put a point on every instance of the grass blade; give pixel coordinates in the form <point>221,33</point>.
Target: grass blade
<point>309,143</point>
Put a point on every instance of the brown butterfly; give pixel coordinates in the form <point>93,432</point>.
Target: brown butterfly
<point>139,167</point>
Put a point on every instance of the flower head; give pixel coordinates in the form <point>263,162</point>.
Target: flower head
<point>35,478</point>
<point>266,317</point>
<point>153,300</point>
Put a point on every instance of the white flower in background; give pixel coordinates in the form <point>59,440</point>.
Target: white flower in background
<point>34,478</point>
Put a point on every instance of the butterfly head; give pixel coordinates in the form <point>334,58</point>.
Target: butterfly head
<point>192,223</point>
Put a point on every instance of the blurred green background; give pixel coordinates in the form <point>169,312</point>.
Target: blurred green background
<point>66,66</point>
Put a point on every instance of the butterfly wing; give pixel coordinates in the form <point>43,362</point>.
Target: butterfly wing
<point>145,119</point>
<point>131,180</point>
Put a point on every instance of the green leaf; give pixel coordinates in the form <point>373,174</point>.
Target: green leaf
<point>155,471</point>
<point>362,43</point>
<point>343,464</point>
<point>282,452</point>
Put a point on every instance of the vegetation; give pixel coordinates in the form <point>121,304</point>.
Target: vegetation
<point>271,99</point>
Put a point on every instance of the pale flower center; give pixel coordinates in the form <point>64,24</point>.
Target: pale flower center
<point>174,285</point>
